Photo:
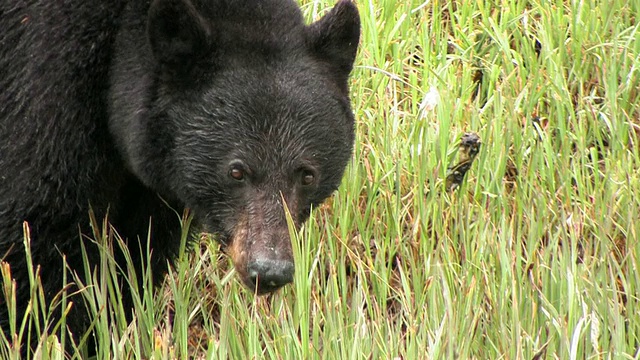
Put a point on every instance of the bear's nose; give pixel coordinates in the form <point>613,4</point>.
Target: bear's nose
<point>270,275</point>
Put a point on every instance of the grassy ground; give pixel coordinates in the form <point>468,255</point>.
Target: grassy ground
<point>535,256</point>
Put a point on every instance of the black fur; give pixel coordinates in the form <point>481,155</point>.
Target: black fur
<point>125,107</point>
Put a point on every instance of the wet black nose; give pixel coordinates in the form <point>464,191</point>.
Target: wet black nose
<point>270,275</point>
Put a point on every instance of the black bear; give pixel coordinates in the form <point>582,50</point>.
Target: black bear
<point>136,110</point>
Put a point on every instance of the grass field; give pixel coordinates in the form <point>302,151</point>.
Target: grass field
<point>534,256</point>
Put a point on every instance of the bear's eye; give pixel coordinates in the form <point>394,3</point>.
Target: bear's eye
<point>237,170</point>
<point>308,177</point>
<point>236,174</point>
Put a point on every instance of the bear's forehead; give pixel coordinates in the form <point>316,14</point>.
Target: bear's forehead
<point>265,98</point>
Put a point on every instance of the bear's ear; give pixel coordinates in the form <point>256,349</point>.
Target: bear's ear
<point>178,34</point>
<point>334,38</point>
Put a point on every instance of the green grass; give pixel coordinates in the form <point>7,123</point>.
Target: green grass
<point>535,256</point>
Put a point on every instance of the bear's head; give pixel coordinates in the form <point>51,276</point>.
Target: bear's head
<point>250,115</point>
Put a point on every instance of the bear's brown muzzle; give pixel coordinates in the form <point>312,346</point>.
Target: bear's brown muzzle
<point>260,248</point>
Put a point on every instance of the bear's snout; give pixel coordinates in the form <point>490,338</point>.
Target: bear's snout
<point>261,253</point>
<point>268,275</point>
<point>260,270</point>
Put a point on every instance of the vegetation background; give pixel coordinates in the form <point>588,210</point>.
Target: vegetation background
<point>535,256</point>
